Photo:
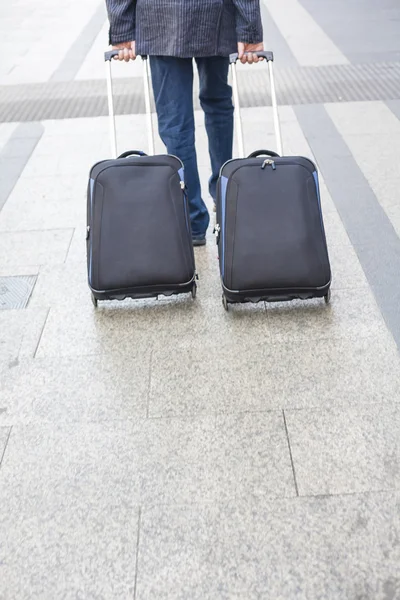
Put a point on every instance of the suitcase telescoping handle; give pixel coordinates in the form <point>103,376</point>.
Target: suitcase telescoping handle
<point>269,57</point>
<point>108,56</point>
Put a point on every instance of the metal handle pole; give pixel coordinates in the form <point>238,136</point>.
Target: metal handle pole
<point>113,135</point>
<point>238,115</point>
<point>149,121</point>
<point>275,113</point>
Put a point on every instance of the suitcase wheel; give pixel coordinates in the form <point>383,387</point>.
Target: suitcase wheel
<point>194,291</point>
<point>327,297</point>
<point>225,302</point>
<point>94,301</point>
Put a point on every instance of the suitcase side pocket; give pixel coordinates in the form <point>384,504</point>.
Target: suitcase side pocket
<point>231,200</point>
<point>93,236</point>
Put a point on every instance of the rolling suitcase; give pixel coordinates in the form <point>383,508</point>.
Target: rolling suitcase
<point>139,241</point>
<point>270,231</point>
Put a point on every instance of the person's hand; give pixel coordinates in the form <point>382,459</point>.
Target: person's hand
<point>127,51</point>
<point>246,52</point>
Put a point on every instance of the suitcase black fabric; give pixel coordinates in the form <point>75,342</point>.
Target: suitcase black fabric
<point>139,241</point>
<point>270,230</point>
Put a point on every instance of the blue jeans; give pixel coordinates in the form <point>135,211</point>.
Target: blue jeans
<point>173,92</point>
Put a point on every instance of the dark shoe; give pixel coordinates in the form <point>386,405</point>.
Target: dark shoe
<point>199,240</point>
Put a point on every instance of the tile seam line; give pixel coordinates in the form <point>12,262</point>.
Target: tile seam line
<point>5,445</point>
<point>41,333</point>
<point>39,231</point>
<point>290,453</point>
<point>74,232</point>
<point>211,414</point>
<point>262,500</point>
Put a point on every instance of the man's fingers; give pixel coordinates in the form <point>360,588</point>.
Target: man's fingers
<point>249,52</point>
<point>126,54</point>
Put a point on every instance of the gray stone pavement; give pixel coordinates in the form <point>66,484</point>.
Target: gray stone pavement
<point>166,449</point>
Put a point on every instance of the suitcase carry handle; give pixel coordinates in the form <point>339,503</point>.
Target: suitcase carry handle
<point>263,153</point>
<point>132,153</point>
<point>239,126</point>
<point>267,54</point>
<point>113,135</point>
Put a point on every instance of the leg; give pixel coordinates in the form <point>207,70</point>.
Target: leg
<point>216,102</point>
<point>173,92</point>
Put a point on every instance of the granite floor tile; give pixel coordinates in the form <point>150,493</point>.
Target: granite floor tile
<point>66,390</point>
<point>62,285</point>
<point>363,118</point>
<point>337,548</point>
<point>346,450</point>
<point>58,164</point>
<point>6,129</point>
<point>393,212</point>
<point>179,321</point>
<point>48,188</point>
<point>27,214</point>
<point>347,272</point>
<point>75,146</point>
<point>34,247</point>
<point>349,312</point>
<point>10,169</point>
<point>327,204</point>
<point>207,266</point>
<point>16,270</point>
<point>378,167</point>
<point>148,461</point>
<point>217,377</point>
<point>22,146</point>
<point>163,324</point>
<point>211,459</point>
<point>67,550</point>
<point>335,231</point>
<point>77,249</point>
<point>79,463</point>
<point>20,332</point>
<point>4,434</point>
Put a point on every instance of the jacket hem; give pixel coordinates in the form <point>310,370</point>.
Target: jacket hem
<point>120,39</point>
<point>141,49</point>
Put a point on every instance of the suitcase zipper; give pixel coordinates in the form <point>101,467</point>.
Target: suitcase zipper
<point>268,161</point>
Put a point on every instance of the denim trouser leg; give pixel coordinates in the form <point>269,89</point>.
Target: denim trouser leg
<point>216,102</point>
<point>173,92</point>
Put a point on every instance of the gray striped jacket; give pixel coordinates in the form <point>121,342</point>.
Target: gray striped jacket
<point>185,28</point>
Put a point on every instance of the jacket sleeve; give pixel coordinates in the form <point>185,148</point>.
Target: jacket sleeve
<point>122,18</point>
<point>249,28</point>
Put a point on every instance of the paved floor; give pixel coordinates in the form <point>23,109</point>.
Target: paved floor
<point>167,450</point>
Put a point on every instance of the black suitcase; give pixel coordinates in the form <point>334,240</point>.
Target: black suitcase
<point>139,242</point>
<point>270,231</point>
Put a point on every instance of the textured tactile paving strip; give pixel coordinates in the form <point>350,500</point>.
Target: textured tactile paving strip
<point>16,291</point>
<point>307,85</point>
